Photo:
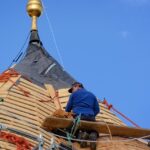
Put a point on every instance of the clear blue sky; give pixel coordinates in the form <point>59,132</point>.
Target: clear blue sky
<point>103,43</point>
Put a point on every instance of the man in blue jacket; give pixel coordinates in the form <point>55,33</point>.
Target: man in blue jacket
<point>84,103</point>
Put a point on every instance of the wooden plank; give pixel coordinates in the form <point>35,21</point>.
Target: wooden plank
<point>20,104</point>
<point>21,127</point>
<point>5,145</point>
<point>108,116</point>
<point>24,128</point>
<point>35,93</point>
<point>114,118</point>
<point>104,108</point>
<point>3,92</point>
<point>64,93</point>
<point>109,113</point>
<point>47,105</point>
<point>30,140</point>
<point>53,122</point>
<point>30,97</point>
<point>43,111</point>
<point>18,121</point>
<point>29,131</point>
<point>21,109</point>
<point>26,117</point>
<point>32,93</point>
<point>3,96</point>
<point>108,121</point>
<point>32,85</point>
<point>31,102</point>
<point>52,93</point>
<point>21,98</point>
<point>34,89</point>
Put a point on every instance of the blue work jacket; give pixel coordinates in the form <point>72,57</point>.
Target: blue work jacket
<point>83,102</point>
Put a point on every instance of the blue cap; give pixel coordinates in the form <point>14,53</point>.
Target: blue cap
<point>74,84</point>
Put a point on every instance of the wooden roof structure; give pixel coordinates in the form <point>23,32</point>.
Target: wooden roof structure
<point>25,106</point>
<point>27,98</point>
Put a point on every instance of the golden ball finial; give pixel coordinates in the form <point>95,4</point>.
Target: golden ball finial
<point>34,9</point>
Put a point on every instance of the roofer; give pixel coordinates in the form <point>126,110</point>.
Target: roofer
<point>84,103</point>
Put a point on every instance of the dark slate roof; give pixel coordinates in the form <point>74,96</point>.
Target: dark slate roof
<point>40,67</point>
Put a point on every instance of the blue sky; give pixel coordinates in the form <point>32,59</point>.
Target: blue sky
<point>103,43</point>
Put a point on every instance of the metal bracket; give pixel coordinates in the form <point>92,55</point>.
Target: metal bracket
<point>2,127</point>
<point>41,142</point>
<point>53,144</point>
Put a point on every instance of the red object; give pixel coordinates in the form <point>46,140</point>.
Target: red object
<point>110,106</point>
<point>5,76</point>
<point>21,143</point>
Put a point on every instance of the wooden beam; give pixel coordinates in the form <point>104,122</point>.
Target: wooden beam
<point>53,122</point>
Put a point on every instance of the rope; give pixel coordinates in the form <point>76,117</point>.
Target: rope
<point>74,128</point>
<point>20,53</point>
<point>52,32</point>
<point>110,106</point>
<point>75,125</point>
<point>110,134</point>
<point>126,117</point>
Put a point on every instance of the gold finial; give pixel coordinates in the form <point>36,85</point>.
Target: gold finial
<point>34,9</point>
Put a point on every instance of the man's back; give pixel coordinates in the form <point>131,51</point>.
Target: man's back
<point>83,102</point>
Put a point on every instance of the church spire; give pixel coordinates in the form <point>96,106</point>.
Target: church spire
<point>34,9</point>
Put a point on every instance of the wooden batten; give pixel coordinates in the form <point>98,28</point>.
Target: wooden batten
<point>25,112</point>
<point>7,146</point>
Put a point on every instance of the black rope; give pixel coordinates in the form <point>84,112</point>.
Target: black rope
<point>20,53</point>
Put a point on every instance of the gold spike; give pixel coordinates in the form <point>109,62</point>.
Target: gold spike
<point>34,9</point>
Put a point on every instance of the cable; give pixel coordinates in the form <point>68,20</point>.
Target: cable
<point>109,141</point>
<point>53,35</point>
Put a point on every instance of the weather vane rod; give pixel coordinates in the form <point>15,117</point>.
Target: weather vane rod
<point>34,9</point>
